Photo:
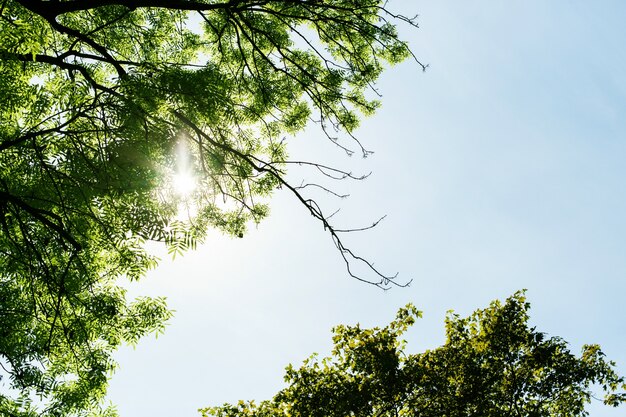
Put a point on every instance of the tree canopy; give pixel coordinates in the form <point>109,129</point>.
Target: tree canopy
<point>97,97</point>
<point>492,364</point>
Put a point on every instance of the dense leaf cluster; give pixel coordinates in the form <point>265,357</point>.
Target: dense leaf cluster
<point>96,96</point>
<point>491,365</point>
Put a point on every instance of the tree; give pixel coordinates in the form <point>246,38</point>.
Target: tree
<point>97,96</point>
<point>492,364</point>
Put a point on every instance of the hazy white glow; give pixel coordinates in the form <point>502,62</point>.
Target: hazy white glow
<point>183,181</point>
<point>184,184</point>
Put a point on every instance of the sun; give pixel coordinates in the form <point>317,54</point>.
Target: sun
<point>184,184</point>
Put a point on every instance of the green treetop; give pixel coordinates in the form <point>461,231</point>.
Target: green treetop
<point>491,365</point>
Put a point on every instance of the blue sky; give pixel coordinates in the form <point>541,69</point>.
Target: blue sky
<point>499,168</point>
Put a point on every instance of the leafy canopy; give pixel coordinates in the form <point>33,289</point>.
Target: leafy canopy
<point>96,96</point>
<point>491,365</point>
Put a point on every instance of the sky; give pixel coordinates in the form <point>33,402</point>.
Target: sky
<point>500,168</point>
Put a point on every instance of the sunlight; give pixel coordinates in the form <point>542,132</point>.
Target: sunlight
<point>184,184</point>
<point>183,181</point>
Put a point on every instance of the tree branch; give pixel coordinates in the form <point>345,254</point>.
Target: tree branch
<point>40,214</point>
<point>59,62</point>
<point>346,253</point>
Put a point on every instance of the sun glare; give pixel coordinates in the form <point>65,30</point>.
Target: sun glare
<point>183,181</point>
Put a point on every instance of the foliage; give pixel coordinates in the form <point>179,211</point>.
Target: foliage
<point>492,364</point>
<point>97,95</point>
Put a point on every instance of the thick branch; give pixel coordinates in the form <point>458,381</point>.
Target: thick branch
<point>52,9</point>
<point>59,62</point>
<point>41,215</point>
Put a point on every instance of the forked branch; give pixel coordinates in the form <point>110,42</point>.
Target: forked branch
<point>380,279</point>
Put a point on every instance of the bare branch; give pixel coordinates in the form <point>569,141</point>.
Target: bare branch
<point>383,281</point>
